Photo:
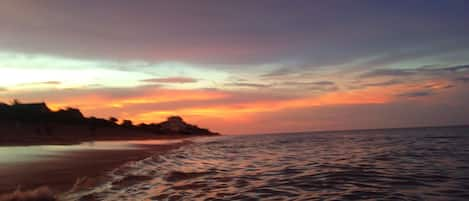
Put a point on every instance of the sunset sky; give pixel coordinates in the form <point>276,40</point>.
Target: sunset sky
<point>240,67</point>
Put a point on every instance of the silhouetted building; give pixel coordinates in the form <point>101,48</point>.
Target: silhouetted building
<point>176,125</point>
<point>70,113</point>
<point>30,107</point>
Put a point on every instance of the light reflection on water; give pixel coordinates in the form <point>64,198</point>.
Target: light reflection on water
<point>424,164</point>
<point>20,154</point>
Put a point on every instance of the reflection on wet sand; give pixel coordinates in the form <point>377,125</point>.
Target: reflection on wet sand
<point>71,167</point>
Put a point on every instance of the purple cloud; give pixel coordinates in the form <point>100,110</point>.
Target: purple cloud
<point>416,94</point>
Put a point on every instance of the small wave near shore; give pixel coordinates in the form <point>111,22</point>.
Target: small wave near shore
<point>383,164</point>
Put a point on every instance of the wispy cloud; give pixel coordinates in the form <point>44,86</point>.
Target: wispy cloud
<point>178,80</point>
<point>248,84</point>
<point>416,94</point>
<point>319,83</point>
<point>321,86</point>
<point>457,68</point>
<point>438,85</point>
<point>51,82</point>
<point>380,84</point>
<point>279,72</point>
<point>424,70</point>
<point>388,72</point>
<point>463,79</point>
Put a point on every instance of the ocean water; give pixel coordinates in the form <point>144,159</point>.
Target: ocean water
<point>397,164</point>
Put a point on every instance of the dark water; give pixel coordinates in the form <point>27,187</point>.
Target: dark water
<point>404,164</point>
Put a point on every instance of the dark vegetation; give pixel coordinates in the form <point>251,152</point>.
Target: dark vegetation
<point>46,122</point>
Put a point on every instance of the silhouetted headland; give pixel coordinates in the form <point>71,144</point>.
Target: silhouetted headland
<point>35,123</point>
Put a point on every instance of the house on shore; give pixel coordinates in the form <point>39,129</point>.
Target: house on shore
<point>30,107</point>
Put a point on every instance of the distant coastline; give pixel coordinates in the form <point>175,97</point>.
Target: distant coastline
<point>36,124</point>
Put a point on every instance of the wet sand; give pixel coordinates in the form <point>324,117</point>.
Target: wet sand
<point>60,173</point>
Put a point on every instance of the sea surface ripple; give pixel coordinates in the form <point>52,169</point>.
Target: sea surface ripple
<point>397,164</point>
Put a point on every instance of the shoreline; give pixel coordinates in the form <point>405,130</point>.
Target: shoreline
<point>61,173</point>
<point>72,135</point>
<point>63,141</point>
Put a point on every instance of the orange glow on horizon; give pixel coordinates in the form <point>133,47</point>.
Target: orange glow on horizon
<point>242,111</point>
<point>200,105</point>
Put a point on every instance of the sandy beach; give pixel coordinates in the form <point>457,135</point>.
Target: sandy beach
<point>60,173</point>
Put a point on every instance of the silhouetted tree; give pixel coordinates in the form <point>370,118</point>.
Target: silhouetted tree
<point>16,102</point>
<point>127,123</point>
<point>113,120</point>
<point>92,125</point>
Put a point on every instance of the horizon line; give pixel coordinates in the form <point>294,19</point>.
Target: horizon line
<point>355,129</point>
